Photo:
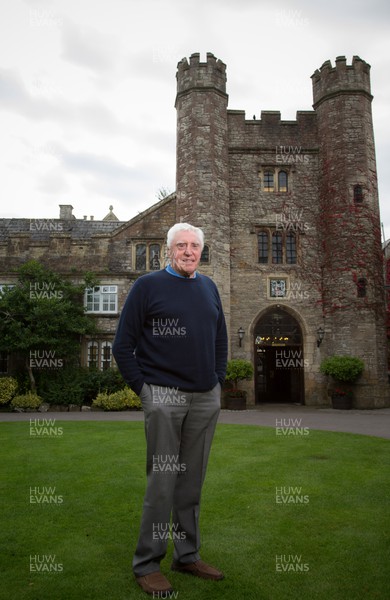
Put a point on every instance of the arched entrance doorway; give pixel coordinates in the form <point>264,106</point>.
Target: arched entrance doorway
<point>279,363</point>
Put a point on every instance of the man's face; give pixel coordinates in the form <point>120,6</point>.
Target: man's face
<point>185,253</point>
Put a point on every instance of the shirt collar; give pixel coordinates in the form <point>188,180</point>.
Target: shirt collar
<point>172,271</point>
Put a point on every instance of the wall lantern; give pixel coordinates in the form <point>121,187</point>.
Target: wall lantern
<point>241,334</point>
<point>320,336</point>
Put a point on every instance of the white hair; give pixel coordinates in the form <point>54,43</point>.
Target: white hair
<point>184,227</point>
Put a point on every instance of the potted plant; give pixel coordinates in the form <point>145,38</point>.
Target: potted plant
<point>237,370</point>
<point>344,370</point>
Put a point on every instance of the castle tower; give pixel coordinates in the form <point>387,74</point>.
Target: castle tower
<point>202,161</point>
<point>353,295</point>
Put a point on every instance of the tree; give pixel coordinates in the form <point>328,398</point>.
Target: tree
<point>162,193</point>
<point>42,318</point>
<point>237,370</point>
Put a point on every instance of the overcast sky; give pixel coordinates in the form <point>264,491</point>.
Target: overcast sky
<point>87,88</point>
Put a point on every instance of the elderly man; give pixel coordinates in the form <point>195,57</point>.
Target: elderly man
<point>171,348</point>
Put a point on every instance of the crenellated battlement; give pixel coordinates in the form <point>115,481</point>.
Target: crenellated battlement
<point>270,130</point>
<point>304,118</point>
<point>196,74</point>
<point>342,78</point>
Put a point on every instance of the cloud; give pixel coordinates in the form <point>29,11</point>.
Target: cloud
<point>101,175</point>
<point>87,48</point>
<point>53,182</point>
<point>95,164</point>
<point>97,117</point>
<point>15,97</point>
<point>157,62</point>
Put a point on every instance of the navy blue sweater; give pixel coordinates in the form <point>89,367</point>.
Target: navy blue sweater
<point>172,332</point>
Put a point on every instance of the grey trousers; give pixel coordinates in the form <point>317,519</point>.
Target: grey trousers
<point>179,428</point>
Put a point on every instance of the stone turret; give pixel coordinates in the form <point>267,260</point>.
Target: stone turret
<point>353,304</point>
<point>329,81</point>
<point>202,173</point>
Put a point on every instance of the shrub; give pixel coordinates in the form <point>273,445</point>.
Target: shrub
<point>95,382</point>
<point>8,387</point>
<point>29,400</point>
<point>342,368</point>
<point>61,387</point>
<point>121,400</point>
<point>72,384</point>
<point>77,385</point>
<point>237,370</point>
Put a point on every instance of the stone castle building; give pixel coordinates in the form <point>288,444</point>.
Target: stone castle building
<point>291,218</point>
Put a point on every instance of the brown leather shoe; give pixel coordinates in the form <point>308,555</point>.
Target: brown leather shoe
<point>154,583</point>
<point>199,569</point>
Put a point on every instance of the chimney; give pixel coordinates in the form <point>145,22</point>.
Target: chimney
<point>66,212</point>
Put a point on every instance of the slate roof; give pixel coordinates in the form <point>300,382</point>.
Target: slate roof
<point>43,229</point>
<point>78,229</point>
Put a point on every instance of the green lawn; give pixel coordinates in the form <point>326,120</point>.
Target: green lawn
<point>331,517</point>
